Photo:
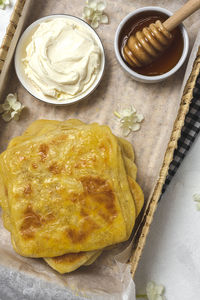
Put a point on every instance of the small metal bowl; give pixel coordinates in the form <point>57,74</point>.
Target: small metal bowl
<point>139,77</point>
<point>20,53</point>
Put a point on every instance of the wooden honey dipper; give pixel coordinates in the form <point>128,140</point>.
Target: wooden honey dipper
<point>145,46</point>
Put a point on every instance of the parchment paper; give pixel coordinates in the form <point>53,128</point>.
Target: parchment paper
<point>159,103</point>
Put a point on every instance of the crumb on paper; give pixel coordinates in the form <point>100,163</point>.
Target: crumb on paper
<point>93,13</point>
<point>129,119</point>
<point>4,3</point>
<point>11,108</point>
<point>196,198</point>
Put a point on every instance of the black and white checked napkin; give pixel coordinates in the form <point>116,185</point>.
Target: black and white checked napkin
<point>189,132</point>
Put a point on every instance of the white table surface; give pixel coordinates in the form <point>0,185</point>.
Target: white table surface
<point>172,252</point>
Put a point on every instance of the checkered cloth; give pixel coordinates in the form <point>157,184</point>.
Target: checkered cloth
<point>189,132</point>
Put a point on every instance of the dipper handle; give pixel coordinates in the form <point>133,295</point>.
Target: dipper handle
<point>180,15</point>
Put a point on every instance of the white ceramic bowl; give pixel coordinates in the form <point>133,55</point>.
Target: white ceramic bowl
<point>140,77</point>
<point>20,53</point>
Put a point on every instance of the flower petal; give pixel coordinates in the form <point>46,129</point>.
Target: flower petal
<point>6,116</point>
<point>155,291</point>
<point>15,115</point>
<point>101,6</point>
<point>135,127</point>
<point>16,106</point>
<point>92,4</point>
<point>159,289</point>
<point>96,17</point>
<point>11,99</point>
<point>98,13</point>
<point>140,117</point>
<point>104,19</point>
<point>125,131</point>
<point>88,12</point>
<point>95,24</point>
<point>95,21</point>
<point>6,106</point>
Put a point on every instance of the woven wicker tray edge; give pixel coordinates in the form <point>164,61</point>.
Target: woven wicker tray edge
<point>10,31</point>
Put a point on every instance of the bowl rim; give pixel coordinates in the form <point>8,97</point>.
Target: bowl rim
<point>146,78</point>
<point>76,99</point>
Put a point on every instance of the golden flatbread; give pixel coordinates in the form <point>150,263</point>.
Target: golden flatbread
<point>71,261</point>
<point>71,192</point>
<point>78,170</point>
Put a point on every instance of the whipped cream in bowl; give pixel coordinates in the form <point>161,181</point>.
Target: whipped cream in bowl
<point>60,59</point>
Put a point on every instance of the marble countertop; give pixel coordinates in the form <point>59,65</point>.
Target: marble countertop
<point>172,252</point>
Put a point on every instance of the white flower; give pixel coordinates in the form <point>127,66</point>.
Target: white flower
<point>155,291</point>
<point>130,120</point>
<point>93,13</point>
<point>4,3</point>
<point>11,108</point>
<point>196,198</point>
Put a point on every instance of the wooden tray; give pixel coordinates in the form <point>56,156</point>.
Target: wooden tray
<point>6,65</point>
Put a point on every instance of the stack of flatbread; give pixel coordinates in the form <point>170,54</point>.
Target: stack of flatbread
<point>68,191</point>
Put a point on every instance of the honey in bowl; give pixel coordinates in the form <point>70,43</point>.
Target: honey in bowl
<point>168,59</point>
